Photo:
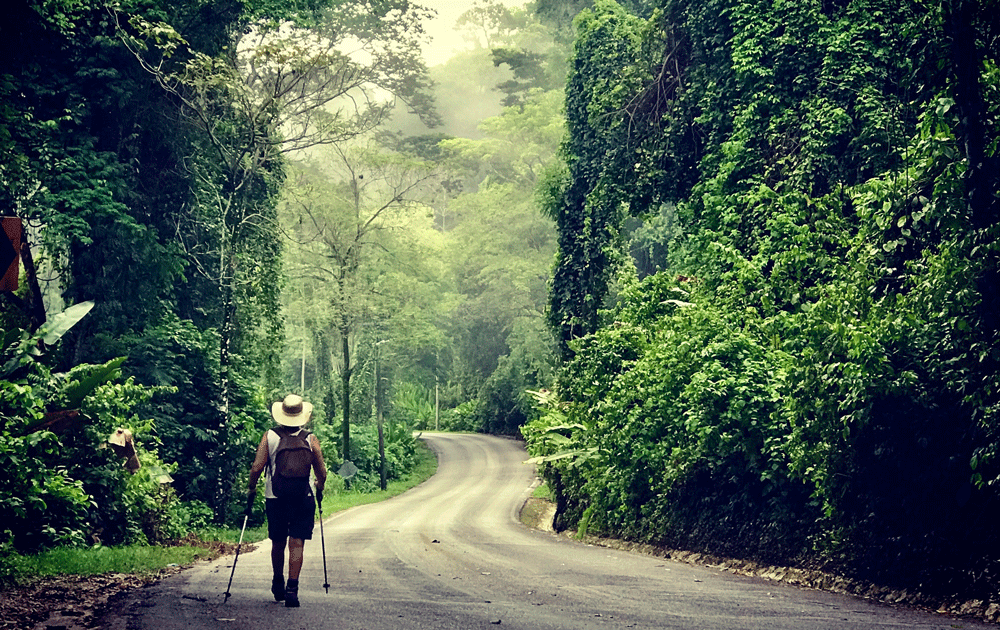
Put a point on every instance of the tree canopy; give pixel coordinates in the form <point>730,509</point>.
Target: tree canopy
<point>145,146</point>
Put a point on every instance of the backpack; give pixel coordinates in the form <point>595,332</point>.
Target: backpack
<point>293,460</point>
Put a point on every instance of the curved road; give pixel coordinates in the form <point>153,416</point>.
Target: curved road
<point>451,553</point>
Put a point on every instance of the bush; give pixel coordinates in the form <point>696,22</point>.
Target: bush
<point>413,404</point>
<point>671,433</point>
<point>465,417</point>
<point>11,564</point>
<point>400,453</point>
<point>40,504</point>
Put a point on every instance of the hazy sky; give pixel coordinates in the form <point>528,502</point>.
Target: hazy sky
<point>442,29</point>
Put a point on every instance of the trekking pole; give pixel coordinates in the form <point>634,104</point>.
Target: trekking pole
<point>237,558</point>
<point>322,541</point>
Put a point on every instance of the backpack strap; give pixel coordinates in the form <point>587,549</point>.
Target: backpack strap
<point>270,464</point>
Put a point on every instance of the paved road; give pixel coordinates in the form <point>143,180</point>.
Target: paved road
<point>452,554</point>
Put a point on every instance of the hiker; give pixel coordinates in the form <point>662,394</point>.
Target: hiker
<point>289,453</point>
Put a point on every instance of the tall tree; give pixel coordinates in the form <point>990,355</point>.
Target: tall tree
<point>278,88</point>
<point>343,210</point>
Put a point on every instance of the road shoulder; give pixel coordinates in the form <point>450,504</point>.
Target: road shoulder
<point>539,513</point>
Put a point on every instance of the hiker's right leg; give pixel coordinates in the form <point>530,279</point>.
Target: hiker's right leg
<point>278,566</point>
<point>295,547</point>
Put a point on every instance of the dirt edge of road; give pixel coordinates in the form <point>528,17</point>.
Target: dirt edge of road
<point>538,513</point>
<point>67,602</point>
<point>78,602</point>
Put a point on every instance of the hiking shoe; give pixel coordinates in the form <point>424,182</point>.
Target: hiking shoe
<point>292,595</point>
<point>278,588</point>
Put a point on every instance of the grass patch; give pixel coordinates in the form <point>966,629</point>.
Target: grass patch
<point>255,533</point>
<point>101,560</point>
<point>543,491</point>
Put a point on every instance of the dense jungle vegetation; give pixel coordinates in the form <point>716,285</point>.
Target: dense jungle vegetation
<point>798,363</point>
<point>226,201</point>
<point>729,266</point>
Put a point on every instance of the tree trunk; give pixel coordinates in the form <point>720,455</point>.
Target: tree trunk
<point>981,178</point>
<point>345,378</point>
<point>324,371</point>
<point>226,333</point>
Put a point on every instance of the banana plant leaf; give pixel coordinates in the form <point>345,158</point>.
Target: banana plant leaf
<point>76,392</point>
<point>61,420</point>
<point>16,356</point>
<point>59,325</point>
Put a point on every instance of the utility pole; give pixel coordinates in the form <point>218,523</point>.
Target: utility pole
<point>379,416</point>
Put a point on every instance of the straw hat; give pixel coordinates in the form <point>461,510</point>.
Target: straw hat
<point>292,411</point>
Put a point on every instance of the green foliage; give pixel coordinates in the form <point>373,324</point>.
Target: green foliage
<point>64,487</point>
<point>42,504</point>
<point>400,454</point>
<point>673,396</point>
<point>819,381</point>
<point>464,417</point>
<point>413,405</point>
<point>183,360</point>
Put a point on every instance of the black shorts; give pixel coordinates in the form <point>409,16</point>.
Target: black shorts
<point>290,517</point>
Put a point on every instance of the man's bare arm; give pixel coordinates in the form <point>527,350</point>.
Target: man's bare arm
<point>319,466</point>
<point>259,463</point>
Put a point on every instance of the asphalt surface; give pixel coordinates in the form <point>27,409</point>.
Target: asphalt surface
<point>452,553</point>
